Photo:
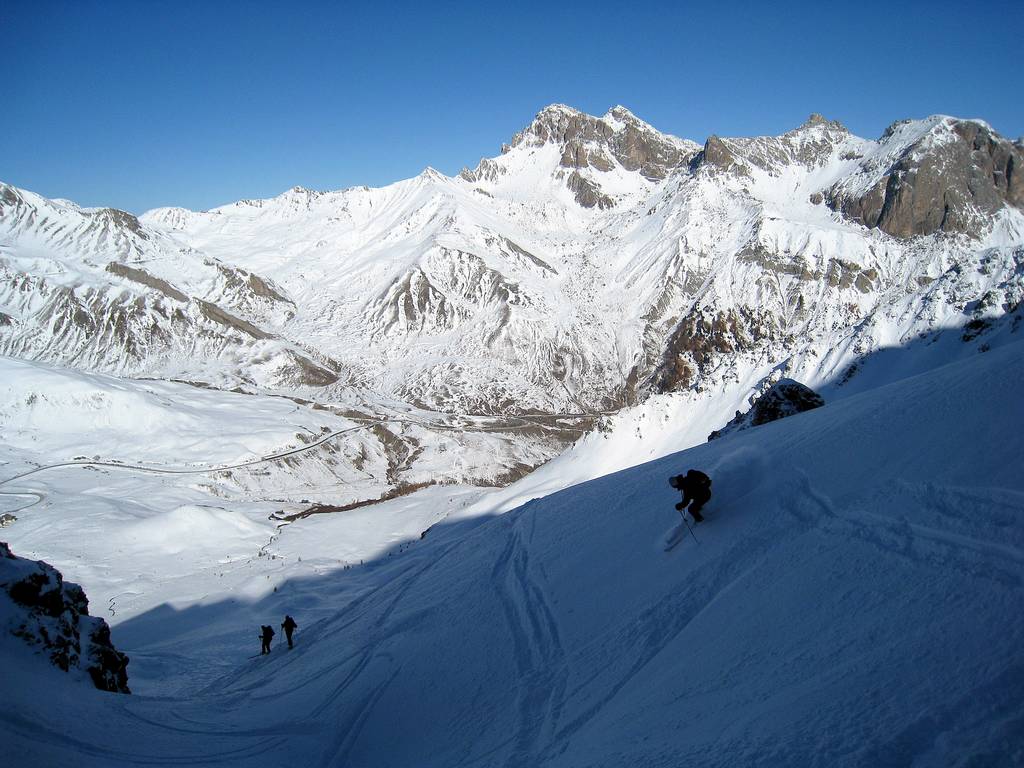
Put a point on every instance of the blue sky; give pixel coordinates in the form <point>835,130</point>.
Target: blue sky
<point>141,104</point>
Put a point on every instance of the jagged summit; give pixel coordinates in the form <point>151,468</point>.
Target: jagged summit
<point>816,120</point>
<point>813,144</point>
<point>621,112</point>
<point>561,124</point>
<point>587,149</point>
<point>558,109</point>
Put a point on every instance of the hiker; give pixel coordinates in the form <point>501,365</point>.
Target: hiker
<point>266,636</point>
<point>289,626</point>
<point>695,487</point>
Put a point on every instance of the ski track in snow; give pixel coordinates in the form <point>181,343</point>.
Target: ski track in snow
<point>206,754</point>
<point>916,542</point>
<point>540,658</point>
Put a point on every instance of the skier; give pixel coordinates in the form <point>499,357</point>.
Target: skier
<point>289,626</point>
<point>695,487</point>
<point>267,634</point>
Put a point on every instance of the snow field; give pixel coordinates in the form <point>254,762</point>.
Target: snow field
<point>856,598</point>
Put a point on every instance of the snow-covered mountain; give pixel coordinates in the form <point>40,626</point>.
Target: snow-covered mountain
<point>594,261</point>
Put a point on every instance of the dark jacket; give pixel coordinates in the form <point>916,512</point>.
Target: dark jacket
<point>694,485</point>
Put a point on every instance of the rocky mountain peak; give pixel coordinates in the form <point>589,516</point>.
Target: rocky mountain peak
<point>619,138</point>
<point>620,112</point>
<point>560,125</point>
<point>941,174</point>
<point>811,145</point>
<point>818,121</point>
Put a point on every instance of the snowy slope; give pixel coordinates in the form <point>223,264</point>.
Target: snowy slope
<point>855,599</point>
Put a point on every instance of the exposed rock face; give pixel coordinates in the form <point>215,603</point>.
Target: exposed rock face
<point>218,315</point>
<point>589,141</point>
<point>122,220</point>
<point>701,338</point>
<point>810,145</point>
<point>948,180</point>
<point>785,398</point>
<point>142,277</point>
<point>587,193</point>
<point>487,170</point>
<point>53,615</point>
<point>618,138</point>
<point>638,148</point>
<point>716,155</point>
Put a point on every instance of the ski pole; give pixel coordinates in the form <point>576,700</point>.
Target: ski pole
<point>683,515</point>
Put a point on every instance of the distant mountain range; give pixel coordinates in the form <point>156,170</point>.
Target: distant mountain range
<point>596,260</point>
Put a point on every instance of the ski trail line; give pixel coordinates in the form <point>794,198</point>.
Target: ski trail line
<point>900,537</point>
<point>537,649</point>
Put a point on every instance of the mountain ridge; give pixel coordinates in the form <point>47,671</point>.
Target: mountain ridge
<point>513,277</point>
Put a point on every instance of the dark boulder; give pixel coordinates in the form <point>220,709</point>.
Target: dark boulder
<point>784,398</point>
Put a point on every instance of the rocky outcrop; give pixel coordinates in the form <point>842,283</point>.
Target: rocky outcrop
<point>143,277</point>
<point>300,370</point>
<point>811,145</point>
<point>702,338</point>
<point>600,143</point>
<point>52,615</point>
<point>639,148</point>
<point>212,312</point>
<point>122,220</point>
<point>587,193</point>
<point>238,279</point>
<point>717,155</point>
<point>784,398</point>
<point>562,125</point>
<point>487,170</point>
<point>950,179</point>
